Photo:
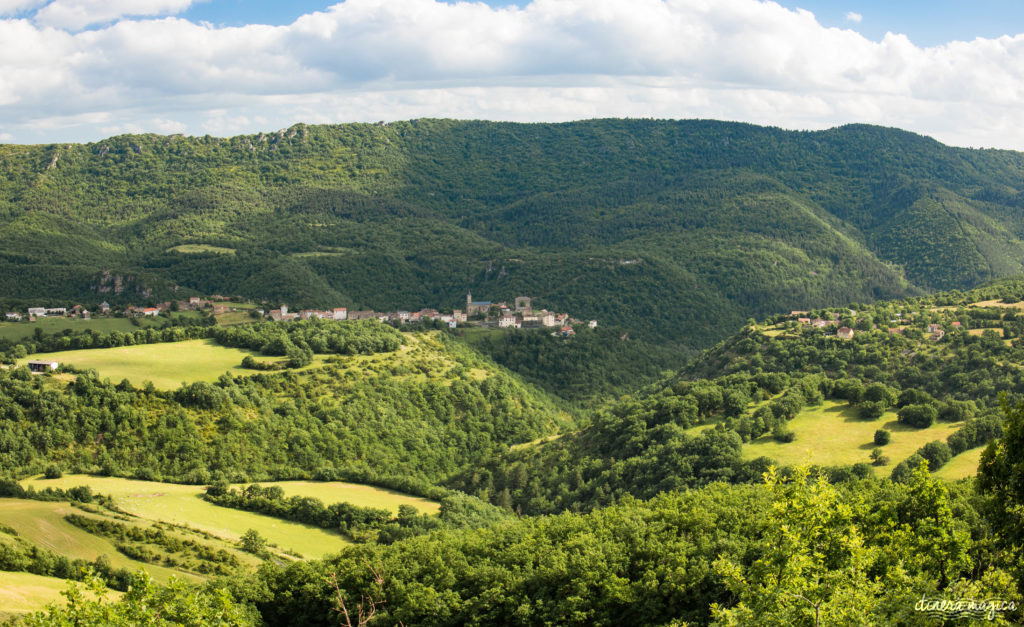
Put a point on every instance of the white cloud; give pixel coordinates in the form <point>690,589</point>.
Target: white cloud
<point>549,60</point>
<point>11,7</point>
<point>856,18</point>
<point>77,14</point>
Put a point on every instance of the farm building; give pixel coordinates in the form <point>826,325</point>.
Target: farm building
<point>42,366</point>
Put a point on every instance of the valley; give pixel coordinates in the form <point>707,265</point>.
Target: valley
<point>806,340</point>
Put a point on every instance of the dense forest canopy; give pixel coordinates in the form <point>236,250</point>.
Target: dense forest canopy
<point>676,230</point>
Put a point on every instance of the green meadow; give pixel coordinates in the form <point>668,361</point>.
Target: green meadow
<point>192,249</point>
<point>962,466</point>
<point>15,331</point>
<point>354,493</point>
<point>167,365</point>
<point>182,505</point>
<point>22,593</point>
<point>42,523</point>
<point>832,434</point>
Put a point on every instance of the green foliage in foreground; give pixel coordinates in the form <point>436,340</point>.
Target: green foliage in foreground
<point>1001,476</point>
<point>776,553</point>
<point>145,603</point>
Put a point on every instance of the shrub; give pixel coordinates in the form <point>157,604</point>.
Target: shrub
<point>882,437</point>
<point>253,542</point>
<point>919,415</point>
<point>871,410</point>
<point>53,471</point>
<point>937,453</point>
<point>782,433</point>
<point>880,393</point>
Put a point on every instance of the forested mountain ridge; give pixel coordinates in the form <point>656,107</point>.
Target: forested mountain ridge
<point>678,230</point>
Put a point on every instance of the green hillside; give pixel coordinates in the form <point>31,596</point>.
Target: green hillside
<point>787,393</point>
<point>676,230</point>
<point>642,523</point>
<point>412,415</point>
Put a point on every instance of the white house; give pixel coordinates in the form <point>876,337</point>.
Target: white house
<point>38,312</point>
<point>340,313</point>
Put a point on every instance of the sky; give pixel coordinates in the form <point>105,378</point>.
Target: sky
<point>82,70</point>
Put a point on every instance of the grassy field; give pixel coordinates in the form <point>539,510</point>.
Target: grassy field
<point>831,434</point>
<point>962,466</point>
<point>22,593</point>
<point>15,331</point>
<point>42,523</point>
<point>200,248</point>
<point>356,494</point>
<point>167,365</point>
<point>181,504</point>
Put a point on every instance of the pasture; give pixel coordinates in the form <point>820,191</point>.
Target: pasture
<point>832,434</point>
<point>23,593</point>
<point>182,505</point>
<point>193,249</point>
<point>15,331</point>
<point>167,365</point>
<point>42,523</point>
<point>962,466</point>
<point>354,493</point>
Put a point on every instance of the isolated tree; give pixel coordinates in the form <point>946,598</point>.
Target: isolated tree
<point>253,542</point>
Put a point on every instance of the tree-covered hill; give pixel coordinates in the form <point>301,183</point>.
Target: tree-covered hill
<point>677,230</point>
<point>949,359</point>
<point>408,417</point>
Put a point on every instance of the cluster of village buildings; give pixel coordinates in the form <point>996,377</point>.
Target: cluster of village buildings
<point>935,331</point>
<point>34,313</point>
<point>479,313</point>
<point>218,303</point>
